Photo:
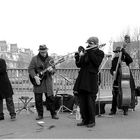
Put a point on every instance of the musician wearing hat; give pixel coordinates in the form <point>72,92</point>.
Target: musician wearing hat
<point>116,91</point>
<point>40,73</point>
<point>86,85</point>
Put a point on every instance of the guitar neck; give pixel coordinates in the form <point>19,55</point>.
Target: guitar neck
<point>54,64</point>
<point>119,60</point>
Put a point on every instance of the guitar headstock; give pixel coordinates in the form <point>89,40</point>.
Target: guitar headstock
<point>61,60</point>
<point>58,61</point>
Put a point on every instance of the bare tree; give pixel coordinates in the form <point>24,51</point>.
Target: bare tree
<point>125,32</point>
<point>134,47</point>
<point>136,37</point>
<point>136,34</point>
<point>131,47</point>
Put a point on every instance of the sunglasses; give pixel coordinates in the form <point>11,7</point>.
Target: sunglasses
<point>116,51</point>
<point>90,43</point>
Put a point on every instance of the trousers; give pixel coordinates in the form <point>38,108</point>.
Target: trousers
<point>87,106</point>
<point>114,102</point>
<point>10,106</point>
<point>39,103</point>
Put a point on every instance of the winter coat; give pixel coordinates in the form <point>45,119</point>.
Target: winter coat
<point>87,79</point>
<point>5,85</point>
<point>125,58</point>
<point>117,83</point>
<point>36,65</point>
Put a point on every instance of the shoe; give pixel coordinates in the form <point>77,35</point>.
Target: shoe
<point>125,113</point>
<point>2,118</point>
<point>13,118</point>
<point>55,117</point>
<point>39,118</point>
<point>91,125</point>
<point>112,113</point>
<point>81,123</point>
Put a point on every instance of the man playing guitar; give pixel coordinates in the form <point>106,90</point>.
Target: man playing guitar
<point>41,70</point>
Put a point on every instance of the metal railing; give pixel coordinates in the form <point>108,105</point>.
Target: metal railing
<point>63,79</point>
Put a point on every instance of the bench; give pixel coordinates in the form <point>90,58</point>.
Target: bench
<point>104,99</point>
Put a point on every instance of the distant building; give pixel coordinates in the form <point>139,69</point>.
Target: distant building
<point>3,46</point>
<point>29,52</point>
<point>13,48</point>
<point>15,57</point>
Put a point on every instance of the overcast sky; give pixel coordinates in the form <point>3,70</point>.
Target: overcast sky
<point>63,25</point>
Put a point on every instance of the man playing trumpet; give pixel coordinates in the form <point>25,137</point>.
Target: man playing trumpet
<point>86,85</point>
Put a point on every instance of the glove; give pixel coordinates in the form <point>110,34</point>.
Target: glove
<point>37,79</point>
<point>76,55</point>
<point>81,49</point>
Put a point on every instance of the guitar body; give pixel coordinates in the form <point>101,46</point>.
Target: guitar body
<point>124,97</point>
<point>33,79</point>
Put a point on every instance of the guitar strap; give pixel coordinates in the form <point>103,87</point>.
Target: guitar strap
<point>40,61</point>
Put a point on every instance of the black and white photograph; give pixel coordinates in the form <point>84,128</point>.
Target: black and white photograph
<point>69,69</point>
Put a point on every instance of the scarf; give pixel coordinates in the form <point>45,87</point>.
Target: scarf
<point>42,58</point>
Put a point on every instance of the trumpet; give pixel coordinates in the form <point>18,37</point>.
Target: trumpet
<point>84,49</point>
<point>95,47</point>
<point>81,48</point>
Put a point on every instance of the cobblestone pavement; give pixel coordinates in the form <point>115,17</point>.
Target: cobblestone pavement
<point>116,127</point>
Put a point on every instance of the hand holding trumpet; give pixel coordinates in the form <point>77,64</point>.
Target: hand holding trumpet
<point>81,51</point>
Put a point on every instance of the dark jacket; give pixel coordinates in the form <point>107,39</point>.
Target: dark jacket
<point>5,85</point>
<point>117,83</point>
<point>36,65</point>
<point>125,58</point>
<point>88,75</point>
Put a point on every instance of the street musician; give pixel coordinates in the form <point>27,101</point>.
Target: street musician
<point>118,92</point>
<point>86,85</point>
<point>39,63</point>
